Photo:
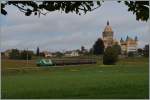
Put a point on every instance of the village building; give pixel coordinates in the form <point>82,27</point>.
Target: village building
<point>71,53</point>
<point>47,54</point>
<point>7,52</point>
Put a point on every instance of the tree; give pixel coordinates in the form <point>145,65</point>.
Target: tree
<point>82,48</point>
<point>38,51</point>
<point>24,55</point>
<point>83,51</point>
<point>14,54</point>
<point>98,47</point>
<point>117,48</point>
<point>37,7</point>
<point>131,54</point>
<point>110,56</point>
<point>140,51</point>
<point>41,54</point>
<point>58,54</point>
<point>146,50</point>
<point>139,8</point>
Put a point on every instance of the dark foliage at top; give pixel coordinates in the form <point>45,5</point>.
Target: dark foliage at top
<point>38,7</point>
<point>139,8</point>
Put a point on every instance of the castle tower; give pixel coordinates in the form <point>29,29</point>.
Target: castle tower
<point>108,35</point>
<point>136,38</point>
<point>129,45</point>
<point>121,40</point>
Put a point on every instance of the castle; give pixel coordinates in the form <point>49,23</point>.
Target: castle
<point>128,45</point>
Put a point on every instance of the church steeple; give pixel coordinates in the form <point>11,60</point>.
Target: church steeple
<point>136,38</point>
<point>108,29</point>
<point>121,40</point>
<point>107,22</point>
<point>127,38</point>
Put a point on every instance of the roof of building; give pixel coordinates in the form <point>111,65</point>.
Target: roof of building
<point>108,28</point>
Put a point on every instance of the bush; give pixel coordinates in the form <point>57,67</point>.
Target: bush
<point>14,54</point>
<point>140,51</point>
<point>24,55</point>
<point>131,54</point>
<point>20,55</point>
<point>117,48</point>
<point>59,54</point>
<point>146,51</point>
<point>110,56</point>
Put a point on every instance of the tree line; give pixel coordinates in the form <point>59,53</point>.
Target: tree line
<point>110,54</point>
<point>22,55</point>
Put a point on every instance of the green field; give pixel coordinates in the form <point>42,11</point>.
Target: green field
<point>129,78</point>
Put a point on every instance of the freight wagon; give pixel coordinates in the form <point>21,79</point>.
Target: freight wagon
<point>49,62</point>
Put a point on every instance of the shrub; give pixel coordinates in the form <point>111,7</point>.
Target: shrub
<point>140,51</point>
<point>26,55</point>
<point>20,55</point>
<point>59,54</point>
<point>117,48</point>
<point>14,54</point>
<point>131,54</point>
<point>146,51</point>
<point>110,56</point>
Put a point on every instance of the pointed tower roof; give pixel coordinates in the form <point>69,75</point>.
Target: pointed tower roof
<point>107,22</point>
<point>127,38</point>
<point>108,28</point>
<point>136,38</point>
<point>121,40</point>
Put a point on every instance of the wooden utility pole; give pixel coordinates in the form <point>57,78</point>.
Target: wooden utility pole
<point>27,56</point>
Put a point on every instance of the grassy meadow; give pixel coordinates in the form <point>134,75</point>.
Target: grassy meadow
<point>129,78</point>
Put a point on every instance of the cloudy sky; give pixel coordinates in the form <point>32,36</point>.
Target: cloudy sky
<point>59,31</point>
